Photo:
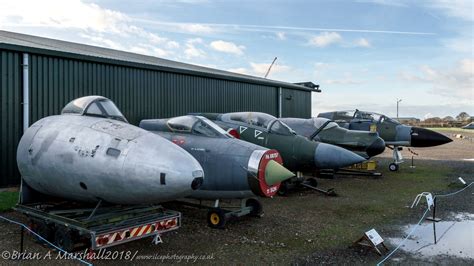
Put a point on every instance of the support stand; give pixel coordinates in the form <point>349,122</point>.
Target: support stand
<point>22,235</point>
<point>372,240</point>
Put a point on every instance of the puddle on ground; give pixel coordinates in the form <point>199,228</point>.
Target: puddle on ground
<point>455,237</point>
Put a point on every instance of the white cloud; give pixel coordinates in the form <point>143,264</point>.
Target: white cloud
<point>454,8</point>
<point>362,42</point>
<point>344,81</point>
<point>281,35</point>
<point>240,70</point>
<point>100,40</point>
<point>227,47</point>
<point>196,28</point>
<point>192,51</point>
<point>260,69</point>
<point>325,38</point>
<point>172,45</point>
<point>63,14</point>
<point>452,81</point>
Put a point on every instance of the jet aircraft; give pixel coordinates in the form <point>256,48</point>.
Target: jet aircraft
<point>366,144</point>
<point>395,134</point>
<point>234,169</point>
<point>91,153</point>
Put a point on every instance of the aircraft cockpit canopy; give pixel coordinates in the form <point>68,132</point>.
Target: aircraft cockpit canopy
<point>251,118</point>
<point>94,106</point>
<point>323,122</point>
<point>375,117</point>
<point>196,125</point>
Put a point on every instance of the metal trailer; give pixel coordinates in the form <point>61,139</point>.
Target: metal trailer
<point>71,225</point>
<point>218,215</point>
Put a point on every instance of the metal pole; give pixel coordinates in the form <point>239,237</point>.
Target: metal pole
<point>21,239</point>
<point>280,102</point>
<point>26,93</point>
<point>434,219</point>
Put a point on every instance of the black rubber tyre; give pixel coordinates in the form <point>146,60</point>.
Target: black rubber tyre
<point>312,182</point>
<point>257,207</point>
<point>393,167</point>
<point>216,218</point>
<point>283,190</point>
<point>63,238</point>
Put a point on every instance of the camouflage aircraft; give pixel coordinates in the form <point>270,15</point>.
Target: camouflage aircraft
<point>234,169</point>
<point>366,144</point>
<point>391,131</point>
<point>299,154</point>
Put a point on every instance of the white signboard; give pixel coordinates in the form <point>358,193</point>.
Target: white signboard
<point>429,200</point>
<point>374,237</point>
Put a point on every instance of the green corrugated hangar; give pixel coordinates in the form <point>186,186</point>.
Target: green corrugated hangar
<point>38,76</point>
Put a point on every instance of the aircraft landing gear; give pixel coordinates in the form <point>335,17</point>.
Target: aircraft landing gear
<point>397,159</point>
<point>393,167</point>
<point>218,217</point>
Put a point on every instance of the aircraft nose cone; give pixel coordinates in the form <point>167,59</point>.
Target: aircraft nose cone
<point>276,173</point>
<point>328,156</point>
<point>376,148</point>
<point>421,137</point>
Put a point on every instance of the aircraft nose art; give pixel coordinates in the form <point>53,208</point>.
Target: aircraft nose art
<point>265,172</point>
<point>421,137</point>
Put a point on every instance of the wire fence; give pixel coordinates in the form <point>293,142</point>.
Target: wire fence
<point>419,222</point>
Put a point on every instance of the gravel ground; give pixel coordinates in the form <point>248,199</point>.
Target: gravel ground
<point>305,227</point>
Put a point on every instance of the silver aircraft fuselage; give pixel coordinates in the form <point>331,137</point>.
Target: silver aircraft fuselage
<point>89,158</point>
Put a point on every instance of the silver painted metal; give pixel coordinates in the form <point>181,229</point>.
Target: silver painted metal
<point>89,153</point>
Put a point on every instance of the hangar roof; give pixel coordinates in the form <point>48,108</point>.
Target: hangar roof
<point>53,47</point>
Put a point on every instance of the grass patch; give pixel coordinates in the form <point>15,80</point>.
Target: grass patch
<point>8,199</point>
<point>364,203</point>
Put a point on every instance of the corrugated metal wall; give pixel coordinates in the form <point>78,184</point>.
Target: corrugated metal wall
<point>139,93</point>
<point>10,115</point>
<point>296,103</point>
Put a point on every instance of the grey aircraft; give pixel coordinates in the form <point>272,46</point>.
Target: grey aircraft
<point>366,144</point>
<point>395,134</point>
<point>91,153</point>
<point>299,153</point>
<point>234,169</point>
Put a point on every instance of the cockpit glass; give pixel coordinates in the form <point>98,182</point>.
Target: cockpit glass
<point>182,123</point>
<point>281,128</point>
<point>345,115</point>
<point>319,122</point>
<point>368,116</point>
<point>201,128</point>
<point>214,126</point>
<point>94,109</point>
<point>256,119</point>
<point>110,108</point>
<point>330,125</point>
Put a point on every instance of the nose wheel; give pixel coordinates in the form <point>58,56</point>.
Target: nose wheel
<point>393,167</point>
<point>216,218</point>
<point>397,159</point>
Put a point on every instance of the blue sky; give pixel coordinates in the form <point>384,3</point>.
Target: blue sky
<point>364,54</point>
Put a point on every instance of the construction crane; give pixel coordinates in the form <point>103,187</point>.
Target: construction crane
<point>270,67</point>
